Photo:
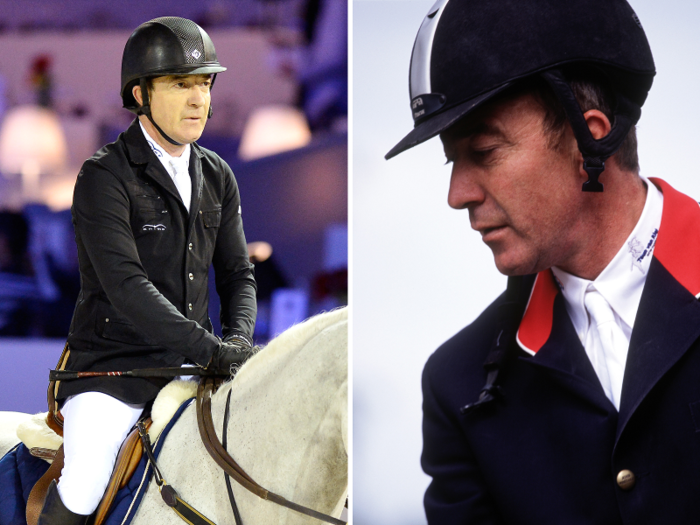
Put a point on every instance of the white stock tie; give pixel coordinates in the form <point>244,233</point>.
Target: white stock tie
<point>182,179</point>
<point>606,345</point>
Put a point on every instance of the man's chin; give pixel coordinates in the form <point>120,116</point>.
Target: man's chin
<point>188,136</point>
<point>189,139</point>
<point>511,267</point>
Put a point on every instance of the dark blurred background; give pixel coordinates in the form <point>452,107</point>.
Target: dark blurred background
<point>280,121</point>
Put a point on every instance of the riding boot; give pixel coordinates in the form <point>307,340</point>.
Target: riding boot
<point>55,512</point>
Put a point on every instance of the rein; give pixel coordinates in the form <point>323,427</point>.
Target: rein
<point>228,464</point>
<point>227,478</point>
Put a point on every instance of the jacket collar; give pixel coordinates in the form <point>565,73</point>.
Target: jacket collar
<point>678,245</point>
<point>136,145</point>
<point>139,152</point>
<point>677,251</point>
<point>667,324</point>
<point>536,326</point>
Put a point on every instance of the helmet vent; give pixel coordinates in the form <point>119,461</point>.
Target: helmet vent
<point>636,20</point>
<point>188,34</point>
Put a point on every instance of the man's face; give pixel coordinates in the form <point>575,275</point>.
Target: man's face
<point>179,104</point>
<point>523,194</point>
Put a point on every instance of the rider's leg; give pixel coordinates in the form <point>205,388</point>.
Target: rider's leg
<point>95,425</point>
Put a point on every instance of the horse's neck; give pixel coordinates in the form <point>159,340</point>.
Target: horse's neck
<point>289,406</point>
<point>287,430</point>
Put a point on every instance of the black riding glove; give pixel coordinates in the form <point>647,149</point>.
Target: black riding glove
<point>229,354</point>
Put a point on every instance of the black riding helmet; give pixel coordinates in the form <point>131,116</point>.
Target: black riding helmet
<point>168,45</point>
<point>468,51</point>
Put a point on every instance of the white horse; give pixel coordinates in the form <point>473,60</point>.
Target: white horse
<point>287,429</point>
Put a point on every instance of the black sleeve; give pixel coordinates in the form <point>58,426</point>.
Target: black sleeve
<point>101,210</point>
<point>235,282</point>
<point>457,493</point>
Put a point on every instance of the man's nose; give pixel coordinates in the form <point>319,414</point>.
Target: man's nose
<point>464,188</point>
<point>196,97</point>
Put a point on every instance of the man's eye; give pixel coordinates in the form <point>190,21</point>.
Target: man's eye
<point>483,152</point>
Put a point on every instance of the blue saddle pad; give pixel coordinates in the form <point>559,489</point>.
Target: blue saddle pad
<point>19,471</point>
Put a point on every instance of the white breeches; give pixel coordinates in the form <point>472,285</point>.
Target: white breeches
<point>94,428</point>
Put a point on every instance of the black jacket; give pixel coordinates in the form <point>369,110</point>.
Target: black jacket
<point>144,263</point>
<point>551,449</point>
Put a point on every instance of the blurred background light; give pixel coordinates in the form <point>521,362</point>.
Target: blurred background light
<point>259,251</point>
<point>32,143</point>
<point>273,129</point>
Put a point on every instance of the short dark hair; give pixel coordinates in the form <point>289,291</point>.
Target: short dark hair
<point>149,85</point>
<point>592,91</point>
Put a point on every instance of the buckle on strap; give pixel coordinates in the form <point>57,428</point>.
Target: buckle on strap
<point>170,496</point>
<point>593,167</point>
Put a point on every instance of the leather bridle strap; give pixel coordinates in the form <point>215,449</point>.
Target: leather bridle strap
<point>170,496</point>
<point>227,478</point>
<point>229,465</point>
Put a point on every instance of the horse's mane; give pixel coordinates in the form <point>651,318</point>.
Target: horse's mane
<point>289,340</point>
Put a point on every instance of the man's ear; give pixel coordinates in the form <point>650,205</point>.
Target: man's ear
<point>598,123</point>
<point>600,126</point>
<point>136,91</point>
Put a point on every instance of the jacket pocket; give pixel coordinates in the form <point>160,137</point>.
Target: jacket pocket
<point>149,202</point>
<point>212,218</point>
<point>110,326</point>
<point>145,199</point>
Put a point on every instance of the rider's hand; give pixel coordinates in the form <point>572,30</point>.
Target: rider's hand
<point>229,354</point>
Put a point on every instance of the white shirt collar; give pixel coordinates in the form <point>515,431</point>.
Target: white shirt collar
<point>164,156</point>
<point>622,281</point>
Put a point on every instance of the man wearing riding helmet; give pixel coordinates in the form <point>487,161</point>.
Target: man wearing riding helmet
<point>152,211</point>
<point>574,398</point>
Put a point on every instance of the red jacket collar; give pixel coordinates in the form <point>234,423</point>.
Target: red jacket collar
<point>536,325</point>
<point>678,242</point>
<point>679,237</point>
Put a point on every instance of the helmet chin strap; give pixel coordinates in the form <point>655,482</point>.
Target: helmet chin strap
<point>594,151</point>
<point>145,109</point>
<point>163,134</point>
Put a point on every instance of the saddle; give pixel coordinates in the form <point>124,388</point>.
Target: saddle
<point>127,460</point>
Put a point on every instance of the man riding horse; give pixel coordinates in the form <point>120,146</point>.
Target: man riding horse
<point>152,211</point>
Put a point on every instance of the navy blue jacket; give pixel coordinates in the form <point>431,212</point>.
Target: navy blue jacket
<point>550,450</point>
